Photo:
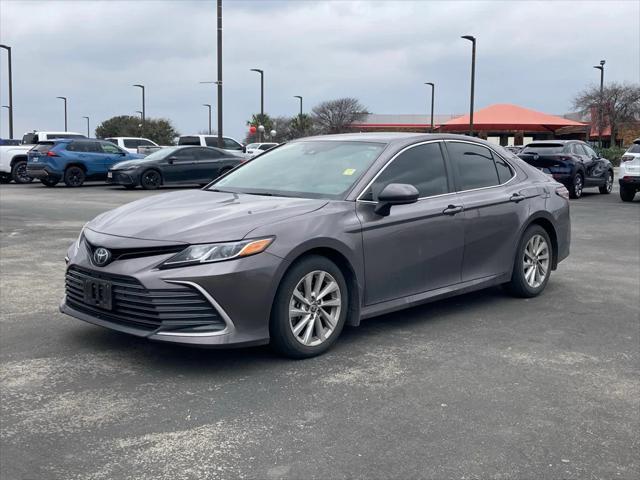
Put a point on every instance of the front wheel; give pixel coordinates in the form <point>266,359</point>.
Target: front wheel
<point>627,193</point>
<point>577,184</point>
<point>48,182</point>
<point>532,265</point>
<point>19,172</point>
<point>74,176</point>
<point>608,184</point>
<point>150,180</point>
<point>310,308</point>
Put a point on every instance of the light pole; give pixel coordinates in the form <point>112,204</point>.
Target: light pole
<point>261,72</point>
<point>219,83</point>
<point>10,106</point>
<point>87,119</point>
<point>143,106</point>
<point>472,39</point>
<point>64,99</point>
<point>213,82</point>
<point>8,110</point>
<point>209,107</point>
<point>433,92</point>
<point>600,112</point>
<point>299,97</point>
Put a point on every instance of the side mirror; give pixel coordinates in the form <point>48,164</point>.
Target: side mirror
<point>170,160</point>
<point>244,149</point>
<point>395,194</point>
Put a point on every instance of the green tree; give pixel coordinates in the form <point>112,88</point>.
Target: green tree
<point>301,126</point>
<point>256,120</point>
<point>160,130</point>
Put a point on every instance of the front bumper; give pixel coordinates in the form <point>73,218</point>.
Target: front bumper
<point>124,177</point>
<point>241,291</point>
<point>42,172</point>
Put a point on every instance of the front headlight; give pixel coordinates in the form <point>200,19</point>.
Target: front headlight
<point>217,252</point>
<point>79,240</point>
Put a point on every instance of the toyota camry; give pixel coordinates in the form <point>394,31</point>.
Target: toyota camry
<point>316,234</point>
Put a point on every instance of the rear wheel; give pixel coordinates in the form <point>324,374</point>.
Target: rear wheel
<point>608,183</point>
<point>532,265</point>
<point>310,308</point>
<point>74,176</point>
<point>49,182</point>
<point>150,180</point>
<point>627,193</point>
<point>19,172</point>
<point>577,184</point>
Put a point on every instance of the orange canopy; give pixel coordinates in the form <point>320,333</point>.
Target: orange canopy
<point>505,116</point>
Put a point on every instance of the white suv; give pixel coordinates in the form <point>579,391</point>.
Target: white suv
<point>629,175</point>
<point>131,144</point>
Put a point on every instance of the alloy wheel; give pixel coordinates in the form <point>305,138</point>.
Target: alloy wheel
<point>536,261</point>
<point>314,308</point>
<point>577,185</point>
<point>74,177</point>
<point>151,179</point>
<point>609,184</point>
<point>21,174</point>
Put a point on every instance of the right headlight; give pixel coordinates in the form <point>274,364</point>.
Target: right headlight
<point>217,252</point>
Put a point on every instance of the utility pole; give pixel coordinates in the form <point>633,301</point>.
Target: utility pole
<point>64,99</point>
<point>600,109</point>
<point>87,118</point>
<point>144,117</point>
<point>8,49</point>
<point>433,92</point>
<point>208,105</point>
<point>219,9</point>
<point>472,39</point>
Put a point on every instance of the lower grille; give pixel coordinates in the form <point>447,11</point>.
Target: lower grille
<point>133,305</point>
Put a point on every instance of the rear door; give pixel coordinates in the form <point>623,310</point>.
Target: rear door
<point>417,247</point>
<point>207,164</point>
<point>495,206</point>
<point>89,154</point>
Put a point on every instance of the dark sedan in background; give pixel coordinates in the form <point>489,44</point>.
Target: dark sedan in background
<point>571,162</point>
<point>174,165</point>
<point>319,233</point>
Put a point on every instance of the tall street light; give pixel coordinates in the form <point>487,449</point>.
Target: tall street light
<point>219,51</point>
<point>600,112</point>
<point>143,106</point>
<point>8,110</point>
<point>209,107</point>
<point>299,97</point>
<point>64,99</point>
<point>433,91</point>
<point>472,39</point>
<point>214,82</point>
<point>261,72</point>
<point>8,49</point>
<point>87,119</point>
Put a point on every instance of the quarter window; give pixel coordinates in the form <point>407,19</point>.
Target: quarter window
<point>421,166</point>
<point>475,166</point>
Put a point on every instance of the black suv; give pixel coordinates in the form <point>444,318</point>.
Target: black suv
<point>572,163</point>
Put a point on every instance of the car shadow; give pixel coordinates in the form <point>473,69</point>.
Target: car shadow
<point>196,361</point>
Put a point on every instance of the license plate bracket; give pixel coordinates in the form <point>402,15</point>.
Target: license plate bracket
<point>97,293</point>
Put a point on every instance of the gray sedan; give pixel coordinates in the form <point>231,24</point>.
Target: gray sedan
<point>319,233</point>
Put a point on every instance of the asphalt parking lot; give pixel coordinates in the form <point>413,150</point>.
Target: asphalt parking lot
<point>479,386</point>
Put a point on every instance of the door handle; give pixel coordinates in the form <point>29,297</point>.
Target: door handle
<point>516,197</point>
<point>453,209</point>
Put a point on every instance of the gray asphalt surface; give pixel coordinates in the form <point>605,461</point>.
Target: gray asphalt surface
<point>479,386</point>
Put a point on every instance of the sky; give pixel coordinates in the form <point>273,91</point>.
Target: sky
<point>534,54</point>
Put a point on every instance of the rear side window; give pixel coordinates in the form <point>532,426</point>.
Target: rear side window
<point>421,166</point>
<point>145,143</point>
<point>52,136</point>
<point>83,147</point>
<point>131,143</point>
<point>208,154</point>
<point>29,138</point>
<point>211,141</point>
<point>189,141</point>
<point>475,165</point>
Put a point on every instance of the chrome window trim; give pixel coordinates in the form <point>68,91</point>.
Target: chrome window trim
<point>513,170</point>
<point>230,327</point>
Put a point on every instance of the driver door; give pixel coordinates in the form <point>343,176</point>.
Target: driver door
<point>418,247</point>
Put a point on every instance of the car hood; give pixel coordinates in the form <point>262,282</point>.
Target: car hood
<point>199,216</point>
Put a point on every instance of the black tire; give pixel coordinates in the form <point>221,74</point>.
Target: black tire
<point>608,184</point>
<point>577,185</point>
<point>5,178</point>
<point>19,172</point>
<point>49,182</point>
<point>150,180</point>
<point>74,176</point>
<point>627,193</point>
<point>280,327</point>
<point>519,286</point>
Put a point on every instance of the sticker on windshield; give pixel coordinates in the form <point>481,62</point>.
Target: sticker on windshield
<point>349,171</point>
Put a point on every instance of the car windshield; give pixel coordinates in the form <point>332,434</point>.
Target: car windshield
<point>162,153</point>
<point>544,148</point>
<point>635,148</point>
<point>308,169</point>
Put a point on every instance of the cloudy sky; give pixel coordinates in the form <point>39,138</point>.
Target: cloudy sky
<point>535,54</point>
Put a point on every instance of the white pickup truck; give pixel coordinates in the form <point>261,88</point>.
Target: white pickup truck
<point>13,158</point>
<point>230,145</point>
<point>133,144</point>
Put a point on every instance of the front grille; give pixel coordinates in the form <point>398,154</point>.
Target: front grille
<point>125,253</point>
<point>133,305</point>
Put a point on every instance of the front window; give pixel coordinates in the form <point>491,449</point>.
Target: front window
<point>130,143</point>
<point>308,169</point>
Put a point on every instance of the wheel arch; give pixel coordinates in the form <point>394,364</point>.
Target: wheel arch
<point>338,255</point>
<point>545,220</point>
<point>76,164</point>
<point>16,159</point>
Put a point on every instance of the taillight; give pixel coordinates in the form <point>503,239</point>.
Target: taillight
<point>51,153</point>
<point>627,158</point>
<point>562,192</point>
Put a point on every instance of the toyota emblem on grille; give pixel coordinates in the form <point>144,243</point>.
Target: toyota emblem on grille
<point>101,256</point>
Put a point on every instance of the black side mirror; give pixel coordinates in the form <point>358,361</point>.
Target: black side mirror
<point>170,160</point>
<point>395,194</point>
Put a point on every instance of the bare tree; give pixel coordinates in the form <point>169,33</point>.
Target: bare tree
<point>335,116</point>
<point>620,104</point>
